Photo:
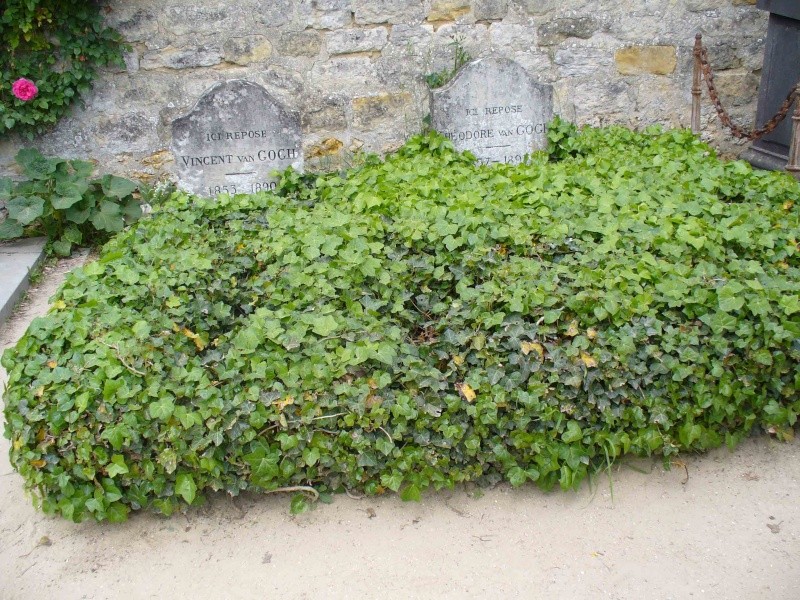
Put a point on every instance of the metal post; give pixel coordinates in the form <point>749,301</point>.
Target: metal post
<point>793,165</point>
<point>698,45</point>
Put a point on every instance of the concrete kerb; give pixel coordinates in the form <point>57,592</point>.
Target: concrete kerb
<point>17,259</point>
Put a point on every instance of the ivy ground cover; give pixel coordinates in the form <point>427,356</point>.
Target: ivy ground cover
<point>417,322</point>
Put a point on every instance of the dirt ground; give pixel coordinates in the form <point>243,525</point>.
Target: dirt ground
<point>730,530</point>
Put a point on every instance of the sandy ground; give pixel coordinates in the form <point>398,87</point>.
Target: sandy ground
<point>731,530</point>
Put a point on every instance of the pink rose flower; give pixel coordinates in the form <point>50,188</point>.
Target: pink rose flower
<point>24,89</point>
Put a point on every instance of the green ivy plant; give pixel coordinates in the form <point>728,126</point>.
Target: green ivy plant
<point>460,58</point>
<point>57,44</point>
<point>418,322</point>
<point>61,201</point>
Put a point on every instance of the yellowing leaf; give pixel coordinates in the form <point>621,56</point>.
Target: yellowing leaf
<point>38,464</point>
<point>198,341</point>
<point>18,443</point>
<point>788,205</point>
<point>572,331</point>
<point>591,333</point>
<point>39,392</point>
<point>52,364</point>
<point>528,347</point>
<point>466,391</point>
<point>60,305</point>
<point>281,404</point>
<point>459,360</point>
<point>588,360</point>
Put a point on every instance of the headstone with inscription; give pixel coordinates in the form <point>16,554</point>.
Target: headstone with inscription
<point>494,109</point>
<point>233,139</point>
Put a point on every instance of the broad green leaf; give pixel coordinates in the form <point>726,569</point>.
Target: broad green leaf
<point>6,188</point>
<point>117,187</point>
<point>108,218</point>
<point>35,165</point>
<point>10,229</point>
<point>25,209</point>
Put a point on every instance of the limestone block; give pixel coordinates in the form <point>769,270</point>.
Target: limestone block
<point>636,60</point>
<point>331,14</point>
<point>556,31</point>
<point>274,13</point>
<point>248,49</point>
<point>515,36</point>
<point>388,11</point>
<point>736,87</point>
<point>448,10</point>
<point>325,114</point>
<point>134,24</point>
<point>542,7</point>
<point>302,43</point>
<point>196,19</point>
<point>582,62</point>
<point>350,73</point>
<point>356,40</point>
<point>128,132</point>
<point>182,58</point>
<point>369,110</point>
<point>489,10</point>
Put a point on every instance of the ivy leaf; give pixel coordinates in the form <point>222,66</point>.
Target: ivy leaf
<point>528,347</point>
<point>185,487</point>
<point>299,504</point>
<point>117,512</point>
<point>162,409</point>
<point>466,391</point>
<point>411,493</point>
<point>573,432</point>
<point>117,466</point>
<point>322,325</point>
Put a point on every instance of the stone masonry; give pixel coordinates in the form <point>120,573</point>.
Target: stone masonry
<point>355,70</point>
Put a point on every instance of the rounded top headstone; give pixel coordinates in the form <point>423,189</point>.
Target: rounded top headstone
<point>494,109</point>
<point>233,139</point>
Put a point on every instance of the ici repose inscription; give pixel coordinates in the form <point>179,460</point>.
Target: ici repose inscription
<point>494,109</point>
<point>233,139</point>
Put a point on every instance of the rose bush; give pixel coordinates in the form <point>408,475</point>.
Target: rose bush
<point>24,89</point>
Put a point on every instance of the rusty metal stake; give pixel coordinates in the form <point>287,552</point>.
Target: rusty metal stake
<point>696,90</point>
<point>793,165</point>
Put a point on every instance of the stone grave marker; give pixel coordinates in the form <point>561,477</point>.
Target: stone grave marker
<point>494,109</point>
<point>233,139</point>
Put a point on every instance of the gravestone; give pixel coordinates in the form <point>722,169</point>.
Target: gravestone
<point>233,139</point>
<point>494,109</point>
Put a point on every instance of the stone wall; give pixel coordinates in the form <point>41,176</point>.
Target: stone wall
<point>355,69</point>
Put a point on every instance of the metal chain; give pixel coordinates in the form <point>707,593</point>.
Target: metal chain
<point>725,118</point>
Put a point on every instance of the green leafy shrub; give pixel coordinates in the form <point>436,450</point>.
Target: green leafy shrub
<point>419,322</point>
<point>61,201</point>
<point>59,45</point>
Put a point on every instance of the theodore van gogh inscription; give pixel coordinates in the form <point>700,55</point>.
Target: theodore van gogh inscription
<point>234,138</point>
<point>494,109</point>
